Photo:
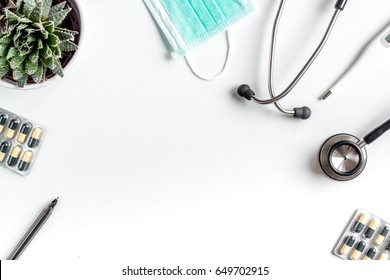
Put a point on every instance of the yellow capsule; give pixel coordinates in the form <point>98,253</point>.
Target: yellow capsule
<point>360,223</point>
<point>25,162</point>
<point>3,121</point>
<point>14,156</point>
<point>358,251</point>
<point>382,236</point>
<point>24,132</point>
<point>370,254</point>
<point>383,257</point>
<point>36,136</point>
<point>347,245</point>
<point>12,127</point>
<point>373,225</point>
<point>4,149</point>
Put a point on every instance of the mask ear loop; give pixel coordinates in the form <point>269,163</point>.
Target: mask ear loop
<point>223,68</point>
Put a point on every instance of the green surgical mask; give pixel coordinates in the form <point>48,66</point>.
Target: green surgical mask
<point>188,23</point>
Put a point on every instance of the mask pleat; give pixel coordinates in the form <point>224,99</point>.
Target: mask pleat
<point>214,9</point>
<point>188,23</point>
<point>203,14</point>
<point>186,19</point>
<point>231,8</point>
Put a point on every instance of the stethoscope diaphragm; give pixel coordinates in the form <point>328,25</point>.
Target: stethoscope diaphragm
<point>342,158</point>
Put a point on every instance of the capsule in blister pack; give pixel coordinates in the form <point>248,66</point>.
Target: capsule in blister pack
<point>24,132</point>
<point>20,142</point>
<point>13,157</point>
<point>35,137</point>
<point>360,223</point>
<point>382,236</point>
<point>372,227</point>
<point>4,149</point>
<point>347,245</point>
<point>12,127</point>
<point>3,121</point>
<point>367,237</point>
<point>358,251</point>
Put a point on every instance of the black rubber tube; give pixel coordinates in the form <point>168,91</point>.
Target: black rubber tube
<point>378,132</point>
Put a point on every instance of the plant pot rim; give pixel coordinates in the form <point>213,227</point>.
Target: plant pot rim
<point>13,85</point>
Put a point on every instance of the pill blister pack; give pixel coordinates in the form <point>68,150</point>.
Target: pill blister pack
<point>20,142</point>
<point>367,237</point>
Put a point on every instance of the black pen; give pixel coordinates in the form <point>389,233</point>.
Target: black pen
<point>33,230</point>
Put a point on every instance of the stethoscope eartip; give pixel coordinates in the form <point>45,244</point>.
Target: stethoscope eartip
<point>246,92</point>
<point>303,113</point>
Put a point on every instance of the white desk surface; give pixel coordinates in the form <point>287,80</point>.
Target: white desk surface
<point>154,166</point>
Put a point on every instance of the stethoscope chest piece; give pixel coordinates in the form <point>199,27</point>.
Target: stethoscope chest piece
<point>342,158</point>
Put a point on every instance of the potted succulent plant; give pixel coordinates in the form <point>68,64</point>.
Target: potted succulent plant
<point>39,40</point>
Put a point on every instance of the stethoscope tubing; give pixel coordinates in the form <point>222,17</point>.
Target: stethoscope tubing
<point>275,98</point>
<point>377,132</point>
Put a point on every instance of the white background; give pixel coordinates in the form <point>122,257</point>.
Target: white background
<point>155,167</point>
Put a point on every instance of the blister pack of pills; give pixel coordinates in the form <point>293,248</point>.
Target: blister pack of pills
<point>20,142</point>
<point>367,237</point>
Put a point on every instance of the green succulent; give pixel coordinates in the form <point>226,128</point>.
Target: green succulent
<point>4,5</point>
<point>35,42</point>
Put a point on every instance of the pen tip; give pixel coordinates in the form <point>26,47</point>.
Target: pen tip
<point>54,202</point>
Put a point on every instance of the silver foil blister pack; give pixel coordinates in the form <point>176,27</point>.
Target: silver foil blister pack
<point>20,142</point>
<point>367,237</point>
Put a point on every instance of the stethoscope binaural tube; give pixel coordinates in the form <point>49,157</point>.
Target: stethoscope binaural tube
<point>343,157</point>
<point>303,113</point>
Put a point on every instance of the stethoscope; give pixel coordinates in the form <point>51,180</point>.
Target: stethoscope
<point>303,113</point>
<point>343,157</point>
